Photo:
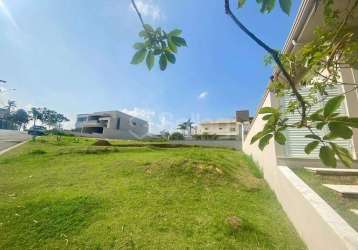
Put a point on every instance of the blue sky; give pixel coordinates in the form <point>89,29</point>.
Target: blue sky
<point>73,56</point>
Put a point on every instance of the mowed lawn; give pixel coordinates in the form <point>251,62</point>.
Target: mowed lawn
<point>71,195</point>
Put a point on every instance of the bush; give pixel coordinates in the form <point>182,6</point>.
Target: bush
<point>102,143</point>
<point>176,136</point>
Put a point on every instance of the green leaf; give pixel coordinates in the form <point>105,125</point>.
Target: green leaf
<point>149,28</point>
<point>286,6</point>
<point>349,121</point>
<point>150,60</point>
<point>317,116</point>
<point>139,56</point>
<point>326,154</point>
<point>339,129</point>
<point>312,136</point>
<point>163,62</point>
<point>264,141</point>
<point>172,45</point>
<point>320,125</point>
<point>280,138</point>
<point>266,117</point>
<point>240,3</point>
<point>143,33</point>
<point>178,41</point>
<point>259,135</point>
<point>332,105</point>
<point>266,5</point>
<point>343,154</point>
<point>311,146</point>
<point>266,110</point>
<point>171,57</point>
<point>175,32</point>
<point>139,46</point>
<point>157,52</point>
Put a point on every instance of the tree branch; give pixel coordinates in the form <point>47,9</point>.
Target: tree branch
<point>275,56</point>
<point>138,13</point>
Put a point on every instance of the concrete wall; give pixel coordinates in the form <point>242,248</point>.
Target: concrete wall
<point>351,76</point>
<point>234,144</point>
<point>266,159</point>
<point>317,223</point>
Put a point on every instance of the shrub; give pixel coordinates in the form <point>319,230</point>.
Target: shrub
<point>102,143</point>
<point>176,136</point>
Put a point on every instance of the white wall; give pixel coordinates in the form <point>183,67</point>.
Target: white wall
<point>266,159</point>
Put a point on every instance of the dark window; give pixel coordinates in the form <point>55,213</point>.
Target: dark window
<point>220,128</point>
<point>134,123</point>
<point>81,119</point>
<point>119,123</point>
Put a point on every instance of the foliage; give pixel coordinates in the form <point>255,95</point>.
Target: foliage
<point>20,117</point>
<point>157,43</point>
<point>316,66</point>
<point>36,114</point>
<point>176,136</point>
<point>268,5</point>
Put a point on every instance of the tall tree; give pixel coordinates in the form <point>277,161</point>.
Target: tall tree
<point>20,117</point>
<point>36,114</point>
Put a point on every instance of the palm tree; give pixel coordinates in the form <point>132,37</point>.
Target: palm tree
<point>189,125</point>
<point>182,127</point>
<point>11,104</point>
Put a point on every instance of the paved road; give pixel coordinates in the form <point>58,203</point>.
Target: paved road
<point>9,138</point>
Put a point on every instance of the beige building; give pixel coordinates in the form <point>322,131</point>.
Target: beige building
<point>226,127</point>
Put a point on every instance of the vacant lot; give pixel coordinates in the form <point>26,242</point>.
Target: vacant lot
<point>71,195</point>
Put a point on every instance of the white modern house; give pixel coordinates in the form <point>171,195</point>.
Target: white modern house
<point>111,125</point>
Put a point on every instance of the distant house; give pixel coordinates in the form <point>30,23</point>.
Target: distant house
<point>111,125</point>
<point>226,128</point>
<point>292,154</point>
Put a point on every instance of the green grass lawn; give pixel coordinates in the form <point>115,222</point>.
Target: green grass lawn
<point>340,204</point>
<point>71,195</point>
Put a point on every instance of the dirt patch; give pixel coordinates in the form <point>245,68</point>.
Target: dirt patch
<point>102,143</point>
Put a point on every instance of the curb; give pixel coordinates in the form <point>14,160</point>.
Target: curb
<point>13,147</point>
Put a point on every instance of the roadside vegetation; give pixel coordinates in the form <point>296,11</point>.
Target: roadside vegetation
<point>336,201</point>
<point>71,194</point>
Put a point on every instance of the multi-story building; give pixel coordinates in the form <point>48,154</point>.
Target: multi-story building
<point>111,125</point>
<point>226,128</point>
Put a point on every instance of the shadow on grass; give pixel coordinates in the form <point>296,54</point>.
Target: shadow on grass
<point>45,220</point>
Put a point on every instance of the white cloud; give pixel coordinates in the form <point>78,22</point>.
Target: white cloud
<point>203,95</point>
<point>5,11</point>
<point>148,9</point>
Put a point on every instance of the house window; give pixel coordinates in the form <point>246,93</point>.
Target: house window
<point>232,129</point>
<point>119,123</point>
<point>81,119</point>
<point>134,123</point>
<point>220,128</point>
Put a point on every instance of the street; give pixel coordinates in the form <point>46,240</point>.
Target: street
<point>9,138</point>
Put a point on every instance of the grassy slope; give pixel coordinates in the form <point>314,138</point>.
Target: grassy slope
<point>74,196</point>
<point>336,201</point>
